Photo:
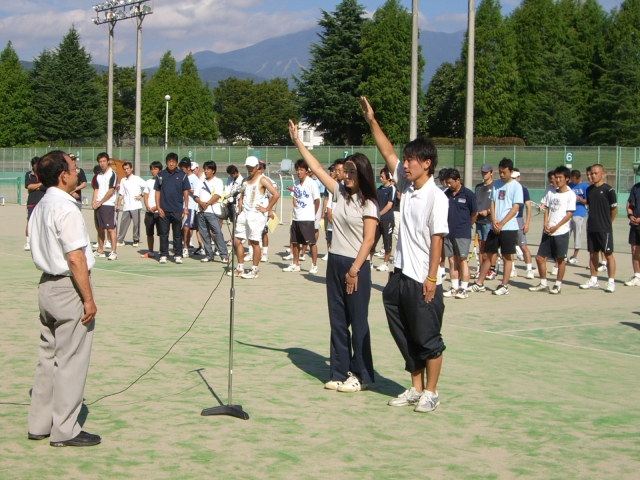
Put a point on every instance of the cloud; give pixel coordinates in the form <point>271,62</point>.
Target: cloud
<point>445,23</point>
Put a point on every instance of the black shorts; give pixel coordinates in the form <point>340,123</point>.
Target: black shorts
<point>414,324</point>
<point>303,233</point>
<point>554,246</point>
<point>384,230</point>
<point>29,212</point>
<point>505,241</point>
<point>634,236</point>
<point>329,236</point>
<point>600,242</point>
<point>105,217</point>
<point>150,221</point>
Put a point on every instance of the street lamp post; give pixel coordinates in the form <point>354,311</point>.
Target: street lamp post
<point>468,138</point>
<point>413,114</point>
<point>166,125</point>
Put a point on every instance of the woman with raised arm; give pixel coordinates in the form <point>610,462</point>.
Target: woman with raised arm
<point>355,218</point>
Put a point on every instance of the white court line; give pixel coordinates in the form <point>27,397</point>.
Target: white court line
<point>545,341</point>
<point>548,328</point>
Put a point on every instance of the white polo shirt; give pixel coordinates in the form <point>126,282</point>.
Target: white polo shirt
<point>56,227</point>
<point>150,190</point>
<point>107,180</point>
<point>207,189</point>
<point>423,213</point>
<point>130,188</point>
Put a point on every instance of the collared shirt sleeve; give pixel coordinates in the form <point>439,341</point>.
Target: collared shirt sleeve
<point>571,204</point>
<point>371,209</point>
<point>439,218</point>
<point>398,176</point>
<point>473,206</point>
<point>518,197</point>
<point>71,231</point>
<point>186,185</point>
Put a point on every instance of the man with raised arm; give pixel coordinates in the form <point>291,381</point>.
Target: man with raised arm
<point>413,296</point>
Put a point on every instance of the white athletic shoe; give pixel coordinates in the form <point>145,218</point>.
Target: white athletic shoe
<point>264,258</point>
<point>554,270</point>
<point>520,257</point>
<point>462,294</point>
<point>27,246</point>
<point>428,402</point>
<point>573,260</point>
<point>514,272</point>
<point>325,258</point>
<point>112,256</point>
<point>135,245</point>
<point>590,284</point>
<point>501,290</point>
<point>163,260</point>
<point>633,282</point>
<point>610,288</point>
<point>530,274</point>
<point>250,274</point>
<point>288,257</point>
<point>352,385</point>
<point>98,254</point>
<point>602,267</point>
<point>178,259</point>
<point>314,269</point>
<point>237,272</point>
<point>379,254</point>
<point>185,254</point>
<point>333,384</point>
<point>291,268</point>
<point>248,257</point>
<point>452,292</point>
<point>107,244</point>
<point>409,397</point>
<point>302,258</point>
<point>94,246</point>
<point>120,244</point>
<point>383,268</point>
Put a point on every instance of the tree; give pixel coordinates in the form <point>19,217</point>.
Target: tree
<point>329,88</point>
<point>444,113</point>
<point>124,100</point>
<point>66,91</point>
<point>386,66</point>
<point>16,111</point>
<point>163,82</point>
<point>257,112</point>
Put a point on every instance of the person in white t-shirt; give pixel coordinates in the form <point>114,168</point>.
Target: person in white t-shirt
<point>413,297</point>
<point>234,182</point>
<point>189,222</point>
<point>151,216</point>
<point>306,203</point>
<point>104,206</point>
<point>559,207</point>
<point>327,205</point>
<point>208,195</point>
<point>130,190</point>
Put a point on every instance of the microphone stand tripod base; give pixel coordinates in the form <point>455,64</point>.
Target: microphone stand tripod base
<point>231,410</point>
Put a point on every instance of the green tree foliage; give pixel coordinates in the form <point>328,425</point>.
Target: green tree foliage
<point>386,65</point>
<point>124,100</point>
<point>163,82</point>
<point>258,112</point>
<point>66,93</point>
<point>16,111</point>
<point>443,113</point>
<point>328,89</point>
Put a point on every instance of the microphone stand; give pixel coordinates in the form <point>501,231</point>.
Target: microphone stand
<point>230,409</point>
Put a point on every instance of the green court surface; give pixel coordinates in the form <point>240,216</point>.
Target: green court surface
<point>532,386</point>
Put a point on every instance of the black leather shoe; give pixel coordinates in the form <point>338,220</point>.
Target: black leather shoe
<point>38,437</point>
<point>83,439</point>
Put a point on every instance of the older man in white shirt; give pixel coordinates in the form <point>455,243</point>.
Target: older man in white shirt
<point>60,247</point>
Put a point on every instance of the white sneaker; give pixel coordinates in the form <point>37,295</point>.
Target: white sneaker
<point>379,254</point>
<point>237,272</point>
<point>107,244</point>
<point>590,284</point>
<point>452,292</point>
<point>27,246</point>
<point>135,245</point>
<point>333,385</point>
<point>248,257</point>
<point>94,246</point>
<point>514,272</point>
<point>520,257</point>
<point>428,402</point>
<point>573,260</point>
<point>288,257</point>
<point>250,274</point>
<point>602,267</point>
<point>610,288</point>
<point>314,269</point>
<point>98,254</point>
<point>462,294</point>
<point>409,397</point>
<point>325,258</point>
<point>501,290</point>
<point>302,258</point>
<point>178,259</point>
<point>352,385</point>
<point>185,254</point>
<point>120,244</point>
<point>112,256</point>
<point>554,270</point>
<point>264,258</point>
<point>633,282</point>
<point>383,268</point>
<point>205,260</point>
<point>530,274</point>
<point>292,268</point>
<point>163,260</point>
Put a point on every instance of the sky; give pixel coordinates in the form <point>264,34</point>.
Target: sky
<point>184,26</point>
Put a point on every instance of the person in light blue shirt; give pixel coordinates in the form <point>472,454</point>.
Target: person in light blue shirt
<point>506,198</point>
<point>577,220</point>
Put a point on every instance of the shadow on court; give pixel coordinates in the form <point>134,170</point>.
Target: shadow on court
<point>631,324</point>
<point>316,365</point>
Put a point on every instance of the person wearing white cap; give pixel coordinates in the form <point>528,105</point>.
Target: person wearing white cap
<point>195,168</point>
<point>251,219</point>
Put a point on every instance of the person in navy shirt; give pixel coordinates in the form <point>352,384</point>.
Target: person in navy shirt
<point>463,211</point>
<point>578,218</point>
<point>633,212</point>
<point>386,200</point>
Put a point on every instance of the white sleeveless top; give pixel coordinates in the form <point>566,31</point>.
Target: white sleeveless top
<point>252,197</point>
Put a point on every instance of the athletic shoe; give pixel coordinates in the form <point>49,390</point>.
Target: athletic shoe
<point>333,385</point>
<point>292,268</point>
<point>474,275</point>
<point>94,246</point>
<point>107,244</point>
<point>98,254</point>
<point>206,259</point>
<point>573,260</point>
<point>530,274</point>
<point>501,290</point>
<point>633,282</point>
<point>27,246</point>
<point>313,269</point>
<point>428,402</point>
<point>148,255</point>
<point>264,258</point>
<point>477,287</point>
<point>491,274</point>
<point>112,256</point>
<point>520,257</point>
<point>163,260</point>
<point>379,254</point>
<point>554,271</point>
<point>610,288</point>
<point>238,273</point>
<point>288,257</point>
<point>555,290</point>
<point>352,385</point>
<point>229,243</point>
<point>383,268</point>
<point>450,293</point>
<point>302,258</point>
<point>325,258</point>
<point>178,259</point>
<point>514,272</point>
<point>120,244</point>
<point>135,245</point>
<point>199,251</point>
<point>185,253</point>
<point>287,250</point>
<point>590,284</point>
<point>225,260</point>
<point>409,397</point>
<point>250,274</point>
<point>602,267</point>
<point>248,257</point>
<point>539,288</point>
<point>462,294</point>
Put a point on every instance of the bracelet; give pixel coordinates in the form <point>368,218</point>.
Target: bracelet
<point>354,266</point>
<point>432,280</point>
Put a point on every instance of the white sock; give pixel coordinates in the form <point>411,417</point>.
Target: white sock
<point>594,279</point>
<point>529,267</point>
<point>240,266</point>
<point>637,274</point>
<point>604,263</point>
<point>558,284</point>
<point>543,282</point>
<point>28,242</point>
<point>455,283</point>
<point>612,280</point>
<point>265,250</point>
<point>441,271</point>
<point>254,268</point>
<point>464,285</point>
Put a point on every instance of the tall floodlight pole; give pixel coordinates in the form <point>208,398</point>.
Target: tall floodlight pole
<point>413,114</point>
<point>468,139</point>
<point>166,126</point>
<point>141,11</point>
<point>112,26</point>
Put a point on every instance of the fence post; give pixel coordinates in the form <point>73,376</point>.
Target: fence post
<point>19,184</point>
<point>514,155</point>
<point>618,164</point>
<point>484,154</point>
<point>598,155</point>
<point>546,164</point>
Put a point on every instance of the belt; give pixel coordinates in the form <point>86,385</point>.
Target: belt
<point>48,276</point>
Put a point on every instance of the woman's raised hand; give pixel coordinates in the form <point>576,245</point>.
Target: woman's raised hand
<point>293,131</point>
